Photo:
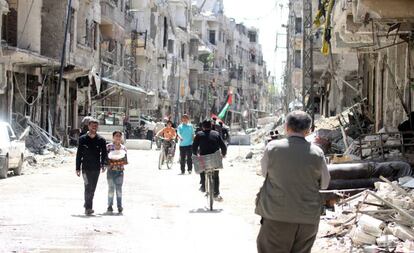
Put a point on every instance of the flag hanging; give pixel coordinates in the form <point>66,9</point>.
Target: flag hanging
<point>226,106</point>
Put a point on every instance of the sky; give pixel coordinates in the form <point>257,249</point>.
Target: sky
<point>268,16</point>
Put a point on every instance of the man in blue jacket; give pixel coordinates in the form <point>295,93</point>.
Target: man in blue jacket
<point>185,133</point>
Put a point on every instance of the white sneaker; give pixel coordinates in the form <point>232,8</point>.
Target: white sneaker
<point>218,198</point>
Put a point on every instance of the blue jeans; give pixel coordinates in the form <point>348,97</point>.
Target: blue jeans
<point>115,181</point>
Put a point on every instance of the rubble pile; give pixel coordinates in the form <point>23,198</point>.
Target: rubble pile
<point>373,221</point>
<point>37,140</point>
<point>259,135</point>
<point>327,123</point>
<point>34,161</point>
<point>335,135</point>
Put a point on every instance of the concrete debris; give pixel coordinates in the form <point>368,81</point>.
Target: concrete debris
<point>47,160</point>
<point>249,155</point>
<point>38,140</point>
<point>373,221</point>
<point>244,140</point>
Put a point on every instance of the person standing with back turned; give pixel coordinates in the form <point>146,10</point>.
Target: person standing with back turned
<point>91,157</point>
<point>289,201</point>
<point>185,133</point>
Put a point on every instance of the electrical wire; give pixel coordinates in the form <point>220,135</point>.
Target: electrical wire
<point>264,16</point>
<point>20,93</point>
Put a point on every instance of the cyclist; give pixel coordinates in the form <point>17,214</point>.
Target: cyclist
<point>169,135</point>
<point>208,142</point>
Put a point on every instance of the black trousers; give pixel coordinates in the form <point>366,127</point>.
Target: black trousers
<point>216,181</point>
<point>90,178</point>
<point>185,156</point>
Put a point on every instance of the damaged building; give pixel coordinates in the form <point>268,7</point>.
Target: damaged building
<point>381,33</point>
<point>369,59</point>
<point>32,41</point>
<point>334,76</point>
<point>131,58</point>
<point>232,63</point>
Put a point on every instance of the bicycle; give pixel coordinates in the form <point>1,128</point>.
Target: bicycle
<point>166,154</point>
<point>208,164</point>
<point>209,187</point>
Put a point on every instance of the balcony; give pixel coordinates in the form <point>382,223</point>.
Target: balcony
<point>112,14</point>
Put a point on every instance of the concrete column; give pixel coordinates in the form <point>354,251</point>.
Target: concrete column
<point>378,103</point>
<point>400,77</point>
<point>389,96</point>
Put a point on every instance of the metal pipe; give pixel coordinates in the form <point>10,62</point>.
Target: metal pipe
<point>393,44</point>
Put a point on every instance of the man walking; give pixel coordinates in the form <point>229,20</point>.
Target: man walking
<point>85,124</point>
<point>185,133</point>
<point>289,201</point>
<point>91,157</point>
<point>209,141</point>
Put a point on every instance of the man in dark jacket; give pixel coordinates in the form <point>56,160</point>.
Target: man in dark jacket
<point>91,157</point>
<point>208,142</point>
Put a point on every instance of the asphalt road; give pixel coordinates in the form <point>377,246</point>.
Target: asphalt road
<point>163,211</point>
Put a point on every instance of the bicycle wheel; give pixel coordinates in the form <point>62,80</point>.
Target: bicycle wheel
<point>169,161</point>
<point>211,190</point>
<point>161,159</point>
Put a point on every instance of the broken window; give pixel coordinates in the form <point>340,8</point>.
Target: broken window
<point>252,57</point>
<point>165,32</point>
<point>298,25</point>
<point>171,46</point>
<point>87,41</point>
<point>253,78</point>
<point>194,47</point>
<point>212,37</point>
<point>252,36</point>
<point>94,33</point>
<point>298,59</point>
<point>9,31</point>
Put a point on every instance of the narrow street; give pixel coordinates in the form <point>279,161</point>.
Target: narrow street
<point>163,211</point>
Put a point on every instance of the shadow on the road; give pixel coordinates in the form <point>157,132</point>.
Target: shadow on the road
<point>205,210</point>
<point>111,214</point>
<point>86,216</point>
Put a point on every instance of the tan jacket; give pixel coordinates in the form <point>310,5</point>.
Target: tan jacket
<point>295,171</point>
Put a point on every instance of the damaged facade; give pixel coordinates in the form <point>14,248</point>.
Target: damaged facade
<point>332,76</point>
<point>381,33</point>
<point>362,89</point>
<point>370,59</point>
<point>132,57</point>
<point>32,41</point>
